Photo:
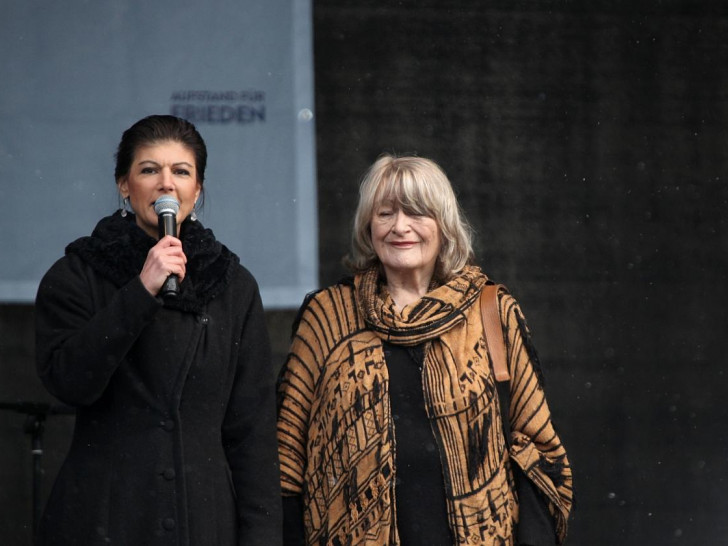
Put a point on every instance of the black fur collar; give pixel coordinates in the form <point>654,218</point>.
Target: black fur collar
<point>117,249</point>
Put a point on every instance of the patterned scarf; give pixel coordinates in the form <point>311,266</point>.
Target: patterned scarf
<point>337,435</point>
<point>440,320</point>
<point>428,318</point>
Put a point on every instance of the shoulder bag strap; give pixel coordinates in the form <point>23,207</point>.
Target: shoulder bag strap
<point>493,333</point>
<point>493,330</point>
<point>536,525</point>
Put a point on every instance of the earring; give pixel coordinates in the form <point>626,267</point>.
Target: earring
<point>193,215</point>
<point>124,207</point>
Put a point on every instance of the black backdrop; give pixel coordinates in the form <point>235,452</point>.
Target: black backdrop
<point>587,143</point>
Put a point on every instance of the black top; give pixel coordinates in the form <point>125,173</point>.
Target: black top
<point>419,485</point>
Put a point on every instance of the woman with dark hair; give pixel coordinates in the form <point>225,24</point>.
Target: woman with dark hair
<point>174,441</point>
<point>389,423</point>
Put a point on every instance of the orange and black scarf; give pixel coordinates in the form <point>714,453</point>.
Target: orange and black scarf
<point>337,437</point>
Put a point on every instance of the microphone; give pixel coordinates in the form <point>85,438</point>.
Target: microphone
<point>167,208</point>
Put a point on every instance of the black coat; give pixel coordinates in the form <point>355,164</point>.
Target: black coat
<point>174,442</point>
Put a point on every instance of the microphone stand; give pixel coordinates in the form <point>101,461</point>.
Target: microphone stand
<point>36,414</point>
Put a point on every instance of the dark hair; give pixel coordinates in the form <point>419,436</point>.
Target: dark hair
<point>160,128</point>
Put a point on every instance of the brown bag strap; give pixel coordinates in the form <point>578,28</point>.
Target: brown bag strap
<point>493,330</point>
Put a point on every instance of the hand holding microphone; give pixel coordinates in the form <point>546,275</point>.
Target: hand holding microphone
<point>167,208</point>
<point>164,267</point>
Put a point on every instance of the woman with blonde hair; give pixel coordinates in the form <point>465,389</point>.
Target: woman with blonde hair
<point>389,423</point>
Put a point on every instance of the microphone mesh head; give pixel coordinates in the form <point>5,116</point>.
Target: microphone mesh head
<point>166,204</point>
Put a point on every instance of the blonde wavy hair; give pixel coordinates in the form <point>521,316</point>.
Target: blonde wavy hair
<point>418,186</point>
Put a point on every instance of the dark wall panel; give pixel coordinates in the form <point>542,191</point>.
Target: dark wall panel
<point>587,144</point>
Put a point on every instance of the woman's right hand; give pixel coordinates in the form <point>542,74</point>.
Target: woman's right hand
<point>164,259</point>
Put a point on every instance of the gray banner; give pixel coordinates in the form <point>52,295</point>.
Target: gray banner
<point>77,73</point>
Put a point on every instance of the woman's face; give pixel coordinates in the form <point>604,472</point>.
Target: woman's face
<point>405,244</point>
<point>165,168</point>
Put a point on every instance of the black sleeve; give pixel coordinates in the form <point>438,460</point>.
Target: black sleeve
<point>80,339</point>
<point>293,533</point>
